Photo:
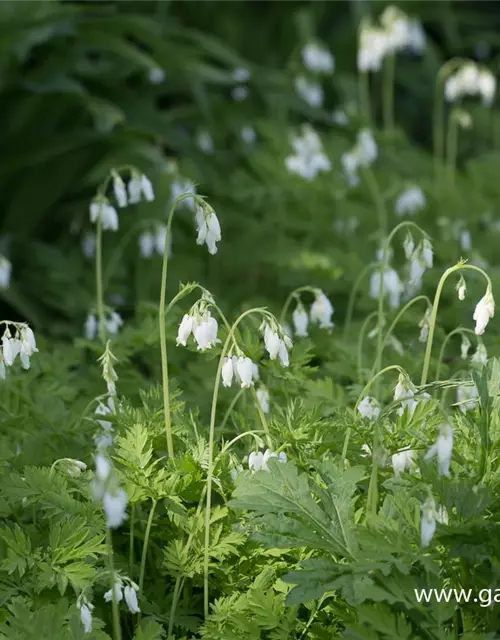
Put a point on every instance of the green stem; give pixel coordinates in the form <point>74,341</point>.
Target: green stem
<point>131,542</point>
<point>352,295</point>
<point>378,200</point>
<point>388,92</point>
<point>211,439</point>
<point>438,117</point>
<point>397,319</point>
<point>451,147</point>
<point>117,632</point>
<point>361,339</point>
<point>233,403</point>
<point>163,337</point>
<point>294,294</point>
<point>364,95</point>
<point>262,419</point>
<point>437,297</point>
<point>458,330</point>
<point>145,545</point>
<point>99,281</point>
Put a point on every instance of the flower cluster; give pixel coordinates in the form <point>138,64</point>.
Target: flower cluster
<point>310,91</point>
<point>5,272</point>
<point>208,227</point>
<point>391,284</point>
<point>199,323</point>
<point>276,341</point>
<point>153,240</point>
<point>21,344</point>
<point>471,80</point>
<point>363,154</point>
<point>139,186</point>
<point>257,461</point>
<point>317,58</point>
<point>240,367</point>
<point>241,75</point>
<point>410,201</point>
<point>124,588</point>
<point>309,158</point>
<point>395,32</point>
<point>106,489</point>
<point>112,322</point>
<point>321,314</point>
<point>369,408</point>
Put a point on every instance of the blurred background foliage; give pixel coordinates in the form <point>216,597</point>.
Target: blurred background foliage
<point>82,92</point>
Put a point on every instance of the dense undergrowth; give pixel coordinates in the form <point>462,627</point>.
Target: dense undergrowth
<point>250,384</point>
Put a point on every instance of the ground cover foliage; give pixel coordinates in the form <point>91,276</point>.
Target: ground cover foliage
<point>250,376</point>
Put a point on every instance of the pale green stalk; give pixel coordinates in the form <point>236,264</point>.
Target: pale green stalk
<point>352,295</point>
<point>117,632</point>
<point>457,331</point>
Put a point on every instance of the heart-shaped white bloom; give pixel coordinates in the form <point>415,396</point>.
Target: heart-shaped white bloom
<point>227,372</point>
<point>86,618</point>
<point>368,408</point>
<point>131,599</point>
<point>485,309</point>
<point>322,311</point>
<point>115,508</point>
<point>244,367</point>
<point>427,522</point>
<point>185,329</point>
<point>300,320</point>
<point>442,448</point>
<point>402,460</point>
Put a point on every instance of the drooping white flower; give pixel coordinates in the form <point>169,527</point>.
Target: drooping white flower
<point>466,396</point>
<point>205,142</point>
<point>402,461</point>
<point>397,29</point>
<point>369,408</point>
<point>366,147</point>
<point>408,246</point>
<point>115,592</point>
<point>404,392</point>
<point>244,368</point>
<point>248,134</point>
<point>465,240</point>
<point>185,329</point>
<point>88,244</point>
<point>115,508</point>
<point>227,372</point>
<point>156,75</point>
<point>310,91</point>
<point>372,48</point>
<point>146,244</point>
<point>271,341</point>
<point>322,310</point>
<point>205,331</point>
<point>480,356</point>
<point>100,208</point>
<point>410,201</point>
<point>317,58</point>
<point>485,309</point>
<point>392,286</point>
<point>257,461</point>
<point>263,398</point>
<point>130,595</point>
<point>309,158</point>
<point>486,86</point>
<point>424,325</point>
<point>300,320</point>
<point>208,227</point>
<point>427,253</point>
<point>183,186</point>
<point>416,37</point>
<point>102,468</point>
<point>340,118</point>
<point>464,347</point>
<point>10,348</point>
<point>241,74</point>
<point>120,190</point>
<point>427,522</point>
<point>442,448</point>
<point>5,272</point>
<point>461,288</point>
<point>86,616</point>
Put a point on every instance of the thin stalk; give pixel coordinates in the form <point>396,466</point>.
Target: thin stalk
<point>397,319</point>
<point>352,295</point>
<point>211,439</point>
<point>437,297</point>
<point>378,200</point>
<point>451,147</point>
<point>364,95</point>
<point>361,339</point>
<point>131,542</point>
<point>99,281</point>
<point>117,632</point>
<point>163,337</point>
<point>388,92</point>
<point>145,545</point>
<point>262,419</point>
<point>457,331</point>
